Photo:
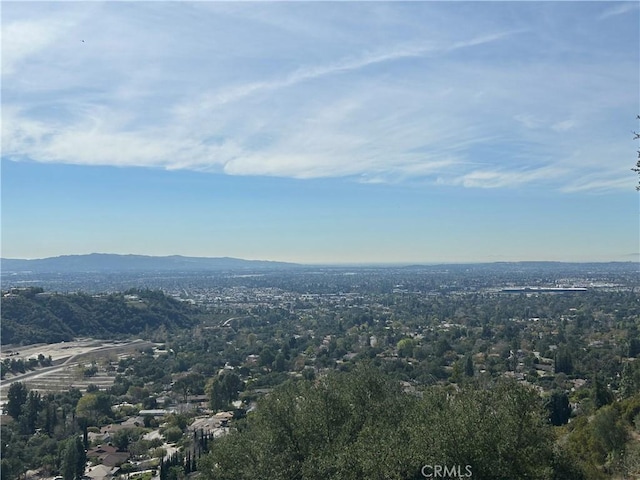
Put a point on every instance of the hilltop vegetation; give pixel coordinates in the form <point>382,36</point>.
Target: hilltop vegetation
<point>350,375</point>
<point>361,424</point>
<point>345,425</point>
<point>33,316</point>
<point>364,424</point>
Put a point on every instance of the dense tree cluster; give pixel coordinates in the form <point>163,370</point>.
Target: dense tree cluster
<point>375,385</point>
<point>74,459</point>
<point>362,425</point>
<point>33,316</point>
<point>43,427</point>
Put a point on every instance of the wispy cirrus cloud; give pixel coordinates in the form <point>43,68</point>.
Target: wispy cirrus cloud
<point>504,179</point>
<point>24,39</point>
<point>599,185</point>
<point>313,72</point>
<point>425,105</point>
<point>619,8</point>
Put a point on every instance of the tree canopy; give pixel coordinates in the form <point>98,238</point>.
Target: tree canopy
<point>362,425</point>
<point>33,316</point>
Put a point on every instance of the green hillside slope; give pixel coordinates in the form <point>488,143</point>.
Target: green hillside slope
<point>33,316</point>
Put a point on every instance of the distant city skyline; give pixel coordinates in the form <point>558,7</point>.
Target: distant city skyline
<point>321,132</point>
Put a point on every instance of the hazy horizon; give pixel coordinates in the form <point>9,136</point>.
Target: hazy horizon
<point>355,264</point>
<point>322,132</point>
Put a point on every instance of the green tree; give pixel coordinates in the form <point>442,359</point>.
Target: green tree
<point>608,430</point>
<point>360,424</point>
<point>176,472</point>
<point>558,407</point>
<point>193,384</point>
<point>94,407</point>
<point>279,363</point>
<point>405,347</point>
<point>16,397</point>
<point>223,389</point>
<point>442,347</point>
<point>630,379</point>
<point>563,361</point>
<point>73,459</point>
<point>468,366</point>
<point>267,357</point>
<point>121,439</point>
<point>81,461</point>
<point>600,392</point>
<point>30,412</point>
<point>172,434</point>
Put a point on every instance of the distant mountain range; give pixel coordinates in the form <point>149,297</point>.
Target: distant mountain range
<point>112,263</point>
<point>107,262</point>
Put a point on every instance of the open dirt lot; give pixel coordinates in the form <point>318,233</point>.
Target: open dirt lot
<point>67,357</point>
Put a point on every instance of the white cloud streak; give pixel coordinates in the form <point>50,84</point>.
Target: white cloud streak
<point>619,8</point>
<point>237,93</point>
<point>503,179</point>
<point>421,107</point>
<point>24,39</point>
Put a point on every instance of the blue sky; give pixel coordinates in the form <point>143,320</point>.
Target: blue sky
<point>321,132</point>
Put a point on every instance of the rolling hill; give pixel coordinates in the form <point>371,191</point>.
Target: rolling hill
<point>106,262</point>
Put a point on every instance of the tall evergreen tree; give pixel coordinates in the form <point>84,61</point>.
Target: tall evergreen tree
<point>81,457</point>
<point>563,361</point>
<point>558,407</point>
<point>70,460</point>
<point>16,398</point>
<point>600,392</point>
<point>468,366</point>
<point>30,412</point>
